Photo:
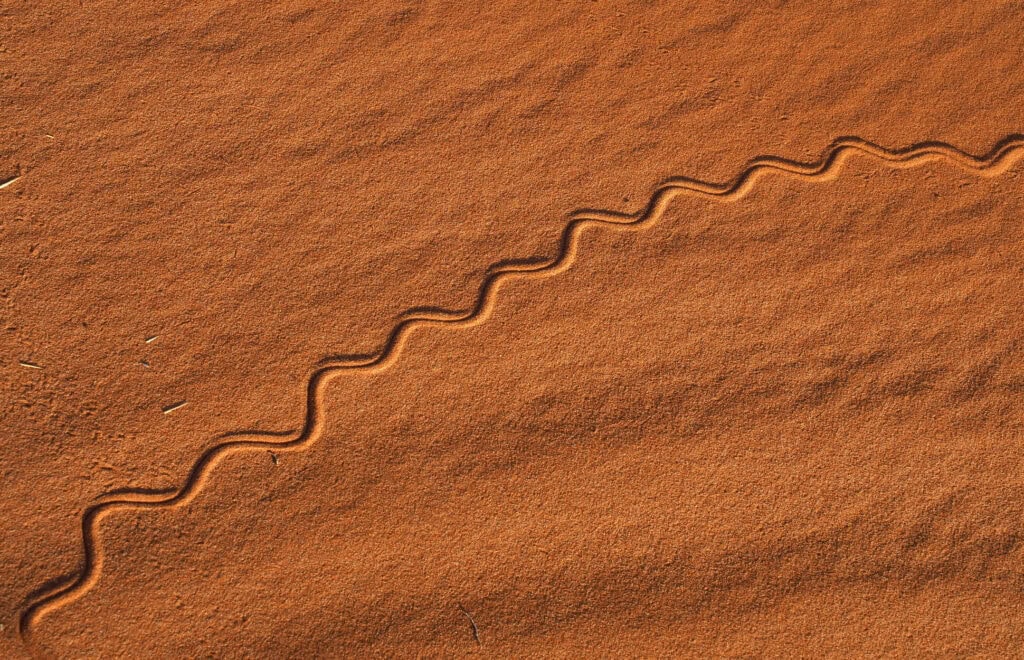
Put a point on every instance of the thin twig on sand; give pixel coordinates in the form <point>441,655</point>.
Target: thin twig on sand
<point>476,631</point>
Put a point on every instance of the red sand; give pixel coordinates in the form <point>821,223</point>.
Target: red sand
<point>788,424</point>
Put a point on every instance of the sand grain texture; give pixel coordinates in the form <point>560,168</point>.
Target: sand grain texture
<point>788,423</point>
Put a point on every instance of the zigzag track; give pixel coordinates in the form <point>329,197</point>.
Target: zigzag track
<point>1001,157</point>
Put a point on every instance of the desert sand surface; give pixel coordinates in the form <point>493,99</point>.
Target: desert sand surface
<point>647,329</point>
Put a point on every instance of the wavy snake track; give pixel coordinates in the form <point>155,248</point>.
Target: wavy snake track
<point>1002,156</point>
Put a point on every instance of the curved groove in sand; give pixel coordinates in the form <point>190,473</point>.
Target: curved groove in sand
<point>1001,157</point>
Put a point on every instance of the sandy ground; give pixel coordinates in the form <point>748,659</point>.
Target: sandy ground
<point>785,422</point>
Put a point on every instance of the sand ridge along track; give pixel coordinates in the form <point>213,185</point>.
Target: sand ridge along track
<point>999,159</point>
